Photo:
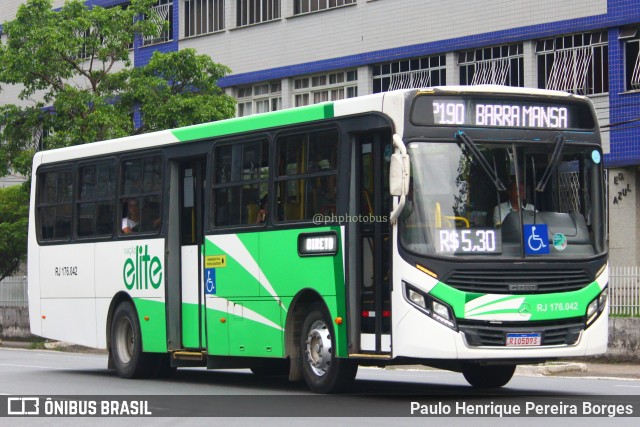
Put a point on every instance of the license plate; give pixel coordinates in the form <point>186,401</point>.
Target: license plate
<point>524,340</point>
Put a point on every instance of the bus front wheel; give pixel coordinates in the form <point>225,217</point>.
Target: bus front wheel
<point>322,371</point>
<point>488,376</point>
<point>126,344</point>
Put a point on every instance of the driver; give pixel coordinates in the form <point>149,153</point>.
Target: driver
<point>513,204</point>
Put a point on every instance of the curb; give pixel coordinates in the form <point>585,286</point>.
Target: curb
<point>15,344</point>
<point>550,368</point>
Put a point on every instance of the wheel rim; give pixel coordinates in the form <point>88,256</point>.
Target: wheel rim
<point>124,339</point>
<point>318,348</point>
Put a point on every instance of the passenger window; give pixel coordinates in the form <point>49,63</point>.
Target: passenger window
<point>240,183</point>
<point>96,202</point>
<point>141,195</point>
<point>55,200</point>
<point>307,175</point>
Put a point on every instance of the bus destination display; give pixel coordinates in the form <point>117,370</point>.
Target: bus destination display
<point>499,112</point>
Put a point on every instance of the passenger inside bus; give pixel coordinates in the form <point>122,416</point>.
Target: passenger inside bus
<point>261,217</point>
<point>131,221</point>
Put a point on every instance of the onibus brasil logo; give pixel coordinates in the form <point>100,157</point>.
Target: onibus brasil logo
<point>141,270</point>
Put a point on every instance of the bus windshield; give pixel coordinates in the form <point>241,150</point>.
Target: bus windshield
<point>456,207</point>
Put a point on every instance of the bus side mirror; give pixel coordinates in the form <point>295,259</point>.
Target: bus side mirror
<point>396,175</point>
<point>399,169</point>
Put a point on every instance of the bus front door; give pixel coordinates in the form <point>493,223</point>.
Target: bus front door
<point>374,205</point>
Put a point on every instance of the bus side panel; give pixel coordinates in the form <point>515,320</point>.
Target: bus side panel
<point>153,324</point>
<point>137,268</point>
<point>255,328</point>
<point>288,272</point>
<point>262,271</point>
<point>68,293</point>
<point>33,259</point>
<point>70,320</point>
<point>239,321</point>
<point>217,327</point>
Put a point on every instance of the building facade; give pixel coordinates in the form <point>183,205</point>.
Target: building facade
<point>287,53</point>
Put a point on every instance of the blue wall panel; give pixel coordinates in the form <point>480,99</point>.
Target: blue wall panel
<point>625,145</point>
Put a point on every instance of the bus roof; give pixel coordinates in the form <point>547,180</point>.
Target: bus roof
<point>273,119</point>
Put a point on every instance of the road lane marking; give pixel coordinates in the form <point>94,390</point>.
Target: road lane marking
<point>33,366</point>
<point>56,353</point>
<point>624,385</point>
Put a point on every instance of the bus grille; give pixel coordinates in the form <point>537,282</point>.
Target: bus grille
<point>564,332</point>
<point>517,282</point>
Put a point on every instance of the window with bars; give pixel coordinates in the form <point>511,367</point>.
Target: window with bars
<point>325,87</point>
<point>260,98</point>
<point>631,39</point>
<point>499,65</point>
<point>85,52</point>
<point>410,73</point>
<point>164,13</point>
<point>306,6</point>
<point>575,63</point>
<point>203,16</point>
<point>254,11</point>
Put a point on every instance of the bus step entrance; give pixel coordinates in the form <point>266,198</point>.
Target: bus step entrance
<point>370,356</point>
<point>189,355</point>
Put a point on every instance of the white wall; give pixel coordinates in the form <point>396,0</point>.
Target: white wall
<point>624,206</point>
<point>373,25</point>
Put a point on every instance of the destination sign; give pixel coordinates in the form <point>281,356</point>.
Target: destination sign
<point>501,112</point>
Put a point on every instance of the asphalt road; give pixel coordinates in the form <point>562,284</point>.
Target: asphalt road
<point>54,373</point>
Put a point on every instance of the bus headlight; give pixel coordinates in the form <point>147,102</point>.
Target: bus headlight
<point>416,298</point>
<point>592,308</point>
<point>602,299</point>
<point>432,307</point>
<point>441,310</point>
<point>596,306</point>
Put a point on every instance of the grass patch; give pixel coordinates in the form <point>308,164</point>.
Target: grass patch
<point>37,343</point>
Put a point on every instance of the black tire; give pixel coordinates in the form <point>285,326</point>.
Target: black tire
<point>271,368</point>
<point>322,371</point>
<point>126,344</point>
<point>488,376</point>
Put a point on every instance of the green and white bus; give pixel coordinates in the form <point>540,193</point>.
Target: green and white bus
<point>372,231</point>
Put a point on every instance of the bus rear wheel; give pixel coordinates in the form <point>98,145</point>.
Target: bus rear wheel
<point>488,376</point>
<point>322,371</point>
<point>126,344</point>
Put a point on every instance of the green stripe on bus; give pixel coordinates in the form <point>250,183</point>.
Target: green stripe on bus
<point>154,330</point>
<point>250,123</point>
<point>533,307</point>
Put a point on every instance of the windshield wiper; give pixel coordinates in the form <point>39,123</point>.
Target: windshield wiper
<point>471,146</point>
<point>552,164</point>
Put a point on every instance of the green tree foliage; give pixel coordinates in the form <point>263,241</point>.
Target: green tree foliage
<point>73,69</point>
<point>14,213</point>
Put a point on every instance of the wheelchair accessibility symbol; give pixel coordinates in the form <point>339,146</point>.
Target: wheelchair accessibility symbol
<point>536,239</point>
<point>210,281</point>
